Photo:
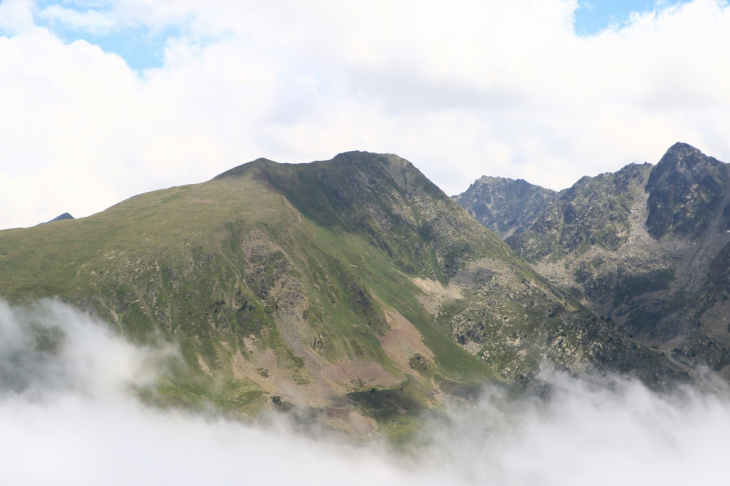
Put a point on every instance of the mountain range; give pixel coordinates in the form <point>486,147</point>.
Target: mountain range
<point>357,292</point>
<point>646,247</point>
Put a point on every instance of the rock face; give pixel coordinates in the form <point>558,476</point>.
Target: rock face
<point>685,192</point>
<point>648,248</point>
<point>352,287</point>
<point>596,211</point>
<point>506,206</point>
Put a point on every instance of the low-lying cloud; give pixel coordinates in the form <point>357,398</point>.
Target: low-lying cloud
<point>68,415</point>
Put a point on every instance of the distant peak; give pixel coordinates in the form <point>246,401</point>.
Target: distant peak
<point>508,182</point>
<point>63,216</point>
<point>354,156</point>
<point>681,149</point>
<point>357,154</point>
<point>244,168</point>
<point>59,218</point>
<point>352,153</point>
<point>486,179</point>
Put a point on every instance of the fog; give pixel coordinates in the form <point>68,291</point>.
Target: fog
<point>69,415</point>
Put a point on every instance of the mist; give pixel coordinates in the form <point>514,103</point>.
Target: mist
<point>69,414</point>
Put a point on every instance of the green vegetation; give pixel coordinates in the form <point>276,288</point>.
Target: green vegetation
<point>299,260</point>
<point>291,285</point>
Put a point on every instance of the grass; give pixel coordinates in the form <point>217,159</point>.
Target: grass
<point>219,267</point>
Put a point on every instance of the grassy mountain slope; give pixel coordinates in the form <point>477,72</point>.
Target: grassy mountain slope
<point>353,288</point>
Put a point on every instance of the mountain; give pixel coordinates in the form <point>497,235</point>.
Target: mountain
<point>60,218</point>
<point>353,289</point>
<point>646,248</point>
<point>506,206</point>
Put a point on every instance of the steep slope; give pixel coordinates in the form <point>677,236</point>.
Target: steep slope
<point>647,248</point>
<point>596,211</point>
<point>354,288</point>
<point>506,206</point>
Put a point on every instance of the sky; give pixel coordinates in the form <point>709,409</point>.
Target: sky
<point>69,416</point>
<point>104,99</point>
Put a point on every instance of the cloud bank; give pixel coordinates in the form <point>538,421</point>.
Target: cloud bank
<point>68,417</point>
<point>461,89</point>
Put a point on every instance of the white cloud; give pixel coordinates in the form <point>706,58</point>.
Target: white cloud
<point>16,15</point>
<point>459,88</point>
<point>90,20</point>
<point>67,417</point>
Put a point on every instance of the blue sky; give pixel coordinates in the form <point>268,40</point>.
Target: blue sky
<point>140,46</point>
<point>593,16</point>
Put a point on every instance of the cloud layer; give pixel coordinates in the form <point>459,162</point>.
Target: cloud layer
<point>460,88</point>
<point>67,417</point>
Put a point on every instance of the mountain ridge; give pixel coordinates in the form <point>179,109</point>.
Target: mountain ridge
<point>645,247</point>
<point>354,289</point>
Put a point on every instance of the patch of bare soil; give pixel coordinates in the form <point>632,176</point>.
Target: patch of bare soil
<point>403,340</point>
<point>435,294</point>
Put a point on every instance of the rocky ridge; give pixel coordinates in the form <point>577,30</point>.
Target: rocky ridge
<point>646,248</point>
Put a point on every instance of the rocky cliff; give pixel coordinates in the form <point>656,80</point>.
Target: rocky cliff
<point>646,248</point>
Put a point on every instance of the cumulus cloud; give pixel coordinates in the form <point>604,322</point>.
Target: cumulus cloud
<point>68,417</point>
<point>90,20</point>
<point>16,15</point>
<point>461,89</point>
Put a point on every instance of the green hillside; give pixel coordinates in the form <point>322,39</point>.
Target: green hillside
<point>353,288</point>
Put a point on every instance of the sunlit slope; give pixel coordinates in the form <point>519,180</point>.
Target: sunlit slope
<point>353,286</point>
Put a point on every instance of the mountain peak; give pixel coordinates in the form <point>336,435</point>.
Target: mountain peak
<point>671,293</point>
<point>683,154</point>
<point>60,218</point>
<point>681,147</point>
<point>684,188</point>
<point>353,156</point>
<point>357,156</point>
<point>506,206</point>
<point>244,168</point>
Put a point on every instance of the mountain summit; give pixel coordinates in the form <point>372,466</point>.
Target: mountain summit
<point>506,206</point>
<point>685,190</point>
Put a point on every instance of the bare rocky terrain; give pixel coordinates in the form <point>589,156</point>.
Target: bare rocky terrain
<point>645,248</point>
<point>506,206</point>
